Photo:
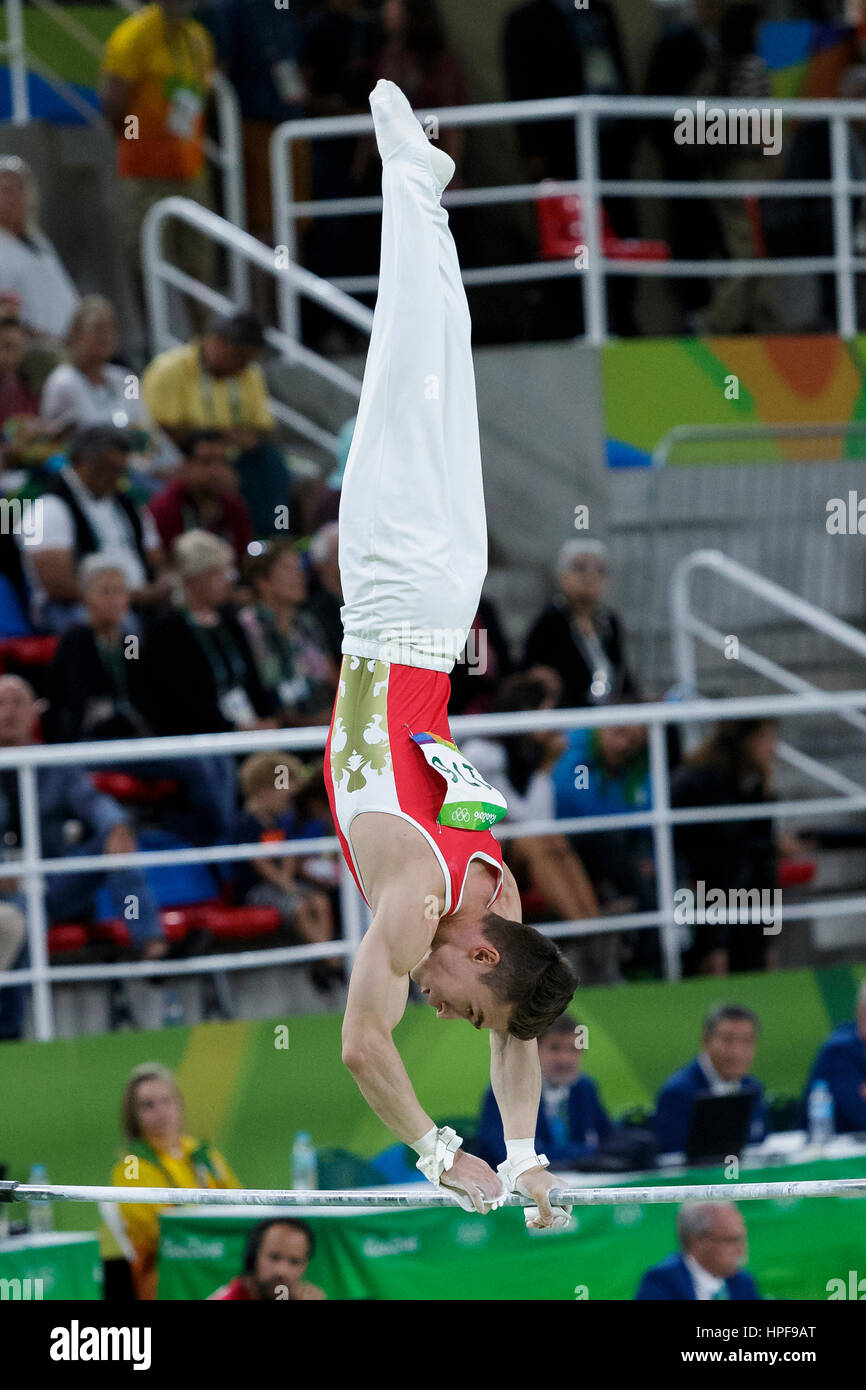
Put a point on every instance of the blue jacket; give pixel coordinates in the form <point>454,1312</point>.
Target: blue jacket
<point>676,1098</point>
<point>671,1280</point>
<point>841,1062</point>
<point>67,794</point>
<point>587,1125</point>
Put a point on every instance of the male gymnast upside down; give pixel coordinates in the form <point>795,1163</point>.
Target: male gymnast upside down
<point>413,556</point>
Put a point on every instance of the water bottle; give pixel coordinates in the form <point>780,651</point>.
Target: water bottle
<point>305,1170</point>
<point>41,1219</point>
<point>821,1126</point>
<point>172,1009</point>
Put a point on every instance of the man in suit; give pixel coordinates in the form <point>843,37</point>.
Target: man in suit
<point>729,1038</point>
<point>841,1063</point>
<point>572,1121</point>
<point>712,1237</point>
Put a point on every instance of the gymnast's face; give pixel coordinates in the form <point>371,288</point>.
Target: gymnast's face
<point>451,979</point>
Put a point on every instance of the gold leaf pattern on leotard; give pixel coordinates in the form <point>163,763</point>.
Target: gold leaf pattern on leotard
<point>359,743</point>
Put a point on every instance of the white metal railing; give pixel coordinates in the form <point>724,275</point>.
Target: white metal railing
<point>732,434</point>
<point>659,816</point>
<point>160,275</point>
<point>586,112</point>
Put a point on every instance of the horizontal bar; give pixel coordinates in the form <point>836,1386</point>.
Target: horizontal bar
<point>429,1196</point>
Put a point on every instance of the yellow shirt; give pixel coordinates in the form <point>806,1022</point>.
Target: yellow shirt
<point>179,393</point>
<point>169,68</point>
<point>141,1221</point>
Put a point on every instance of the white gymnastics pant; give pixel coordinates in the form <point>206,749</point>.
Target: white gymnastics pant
<point>413,534</point>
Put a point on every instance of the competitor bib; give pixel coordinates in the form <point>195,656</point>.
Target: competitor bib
<point>470,802</point>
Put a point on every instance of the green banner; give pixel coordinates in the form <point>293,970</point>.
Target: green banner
<point>796,1247</point>
<point>50,1267</point>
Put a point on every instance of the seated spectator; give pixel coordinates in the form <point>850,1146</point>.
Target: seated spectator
<point>325,594</point>
<point>157,71</point>
<point>96,690</point>
<point>30,268</point>
<point>485,664</point>
<point>91,389</point>
<point>198,675</point>
<point>733,766</point>
<point>712,1239</point>
<point>520,766</point>
<point>159,1154</point>
<point>841,1063</point>
<point>289,648</point>
<point>215,383</point>
<point>572,1121</point>
<point>269,783</point>
<point>204,496</point>
<point>578,636</point>
<point>13,930</point>
<point>605,772</point>
<point>276,1256</point>
<point>74,819</point>
<point>25,438</point>
<point>85,509</point>
<point>729,1038</point>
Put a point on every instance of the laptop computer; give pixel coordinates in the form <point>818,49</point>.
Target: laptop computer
<point>719,1126</point>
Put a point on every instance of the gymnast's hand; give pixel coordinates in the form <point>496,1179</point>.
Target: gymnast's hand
<point>474,1183</point>
<point>535,1184</point>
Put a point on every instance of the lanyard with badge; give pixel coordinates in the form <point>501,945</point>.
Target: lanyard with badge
<point>290,684</point>
<point>233,395</point>
<point>229,671</point>
<point>470,802</point>
<point>185,94</point>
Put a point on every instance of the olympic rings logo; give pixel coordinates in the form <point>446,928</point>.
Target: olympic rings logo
<point>461,813</point>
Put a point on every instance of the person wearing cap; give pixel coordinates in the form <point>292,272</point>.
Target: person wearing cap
<point>215,382</point>
<point>85,508</point>
<point>578,635</point>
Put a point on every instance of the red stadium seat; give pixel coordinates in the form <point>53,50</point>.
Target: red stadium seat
<point>561,232</point>
<point>65,938</point>
<point>238,923</point>
<point>27,651</point>
<point>793,873</point>
<point>125,788</point>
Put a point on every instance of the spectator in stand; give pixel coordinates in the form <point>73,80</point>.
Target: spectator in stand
<point>157,70</point>
<point>31,273</point>
<point>712,1238</point>
<point>159,1154</point>
<point>485,663</point>
<point>85,508</point>
<point>289,648</point>
<point>74,819</point>
<point>572,1121</point>
<point>25,438</point>
<point>277,1253</point>
<point>578,636</point>
<point>258,46</point>
<point>199,676</point>
<point>204,496</point>
<point>215,382</point>
<point>841,1063</point>
<point>269,784</point>
<point>605,772</point>
<point>552,48</point>
<point>733,766</point>
<point>520,766</point>
<point>96,689</point>
<point>325,594</point>
<point>92,389</point>
<point>682,64</point>
<point>729,1038</point>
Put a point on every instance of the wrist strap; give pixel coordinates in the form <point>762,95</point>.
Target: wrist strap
<point>521,1156</point>
<point>437,1149</point>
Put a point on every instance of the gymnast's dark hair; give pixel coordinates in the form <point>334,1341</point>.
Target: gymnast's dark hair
<point>257,1235</point>
<point>532,973</point>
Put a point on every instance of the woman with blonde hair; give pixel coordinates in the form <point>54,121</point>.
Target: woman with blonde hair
<point>159,1153</point>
